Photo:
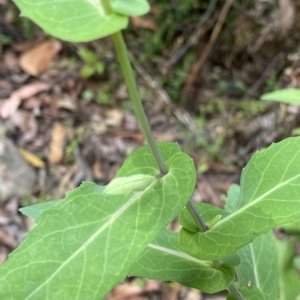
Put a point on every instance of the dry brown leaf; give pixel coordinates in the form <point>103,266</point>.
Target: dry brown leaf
<point>56,147</point>
<point>3,254</point>
<point>97,169</point>
<point>143,23</point>
<point>7,239</point>
<point>114,117</point>
<point>287,16</point>
<point>25,45</point>
<point>10,105</point>
<point>37,59</point>
<point>126,290</point>
<point>32,159</point>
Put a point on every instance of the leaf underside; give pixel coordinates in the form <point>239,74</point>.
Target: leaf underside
<point>73,20</point>
<point>259,266</point>
<point>269,196</point>
<point>164,260</point>
<point>84,245</point>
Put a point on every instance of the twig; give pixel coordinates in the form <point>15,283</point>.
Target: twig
<point>194,37</point>
<point>199,63</point>
<point>183,116</point>
<point>252,91</point>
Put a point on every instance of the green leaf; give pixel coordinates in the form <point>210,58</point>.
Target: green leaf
<point>207,211</point>
<point>285,95</point>
<point>249,293</point>
<point>87,56</point>
<point>84,245</point>
<point>86,72</point>
<point>259,266</point>
<point>130,184</point>
<point>164,260</point>
<point>73,20</point>
<point>130,7</point>
<point>232,198</point>
<point>230,261</point>
<point>35,211</point>
<point>269,196</point>
<point>289,279</point>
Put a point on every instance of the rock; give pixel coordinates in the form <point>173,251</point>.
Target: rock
<point>16,176</point>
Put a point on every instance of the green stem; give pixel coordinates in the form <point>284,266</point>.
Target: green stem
<point>236,292</point>
<point>145,128</point>
<point>203,227</point>
<point>136,100</point>
<point>196,216</point>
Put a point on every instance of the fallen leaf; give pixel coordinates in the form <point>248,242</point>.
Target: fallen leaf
<point>37,59</point>
<point>10,105</point>
<point>114,117</point>
<point>32,159</point>
<point>3,254</point>
<point>287,16</point>
<point>126,290</point>
<point>56,147</point>
<point>143,23</point>
<point>7,239</point>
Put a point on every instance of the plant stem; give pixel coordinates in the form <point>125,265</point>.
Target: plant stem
<point>145,128</point>
<point>196,216</point>
<point>236,292</point>
<point>136,100</point>
<point>203,227</point>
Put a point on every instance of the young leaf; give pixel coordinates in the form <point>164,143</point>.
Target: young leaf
<point>130,184</point>
<point>269,196</point>
<point>73,20</point>
<point>259,266</point>
<point>130,8</point>
<point>232,198</point>
<point>289,279</point>
<point>84,245</point>
<point>164,260</point>
<point>285,95</point>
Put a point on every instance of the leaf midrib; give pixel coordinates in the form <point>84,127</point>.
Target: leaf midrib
<point>181,254</point>
<point>248,205</point>
<point>89,241</point>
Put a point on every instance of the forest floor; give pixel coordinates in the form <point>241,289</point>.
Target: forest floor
<point>66,117</point>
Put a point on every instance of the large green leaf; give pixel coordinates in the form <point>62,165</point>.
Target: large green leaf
<point>130,7</point>
<point>83,245</point>
<point>164,260</point>
<point>269,196</point>
<point>259,266</point>
<point>73,20</point>
<point>285,95</point>
<point>289,279</point>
